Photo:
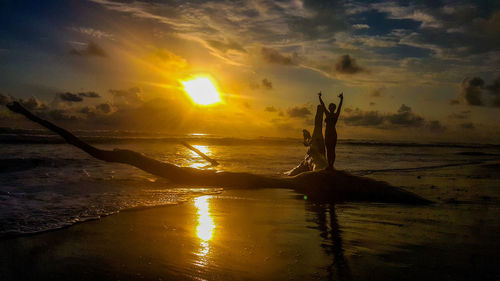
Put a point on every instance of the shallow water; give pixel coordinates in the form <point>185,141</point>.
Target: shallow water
<point>52,185</point>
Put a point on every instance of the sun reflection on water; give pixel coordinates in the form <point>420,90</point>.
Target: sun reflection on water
<point>205,228</point>
<point>206,225</point>
<point>195,160</point>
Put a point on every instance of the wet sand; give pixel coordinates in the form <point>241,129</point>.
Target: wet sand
<point>266,235</point>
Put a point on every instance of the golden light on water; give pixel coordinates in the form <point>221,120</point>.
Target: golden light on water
<point>194,160</point>
<point>202,91</point>
<point>203,148</point>
<point>206,225</point>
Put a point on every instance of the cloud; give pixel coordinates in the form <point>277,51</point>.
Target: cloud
<point>89,95</point>
<point>267,84</point>
<point>61,115</point>
<point>377,92</point>
<point>70,97</point>
<point>435,126</point>
<point>299,112</point>
<point>395,11</point>
<point>5,99</point>
<point>270,109</point>
<point>460,115</point>
<point>403,118</point>
<point>360,26</point>
<point>33,104</point>
<point>104,107</point>
<point>494,90</point>
<point>226,46</point>
<point>92,32</point>
<point>130,96</point>
<point>364,118</point>
<point>347,65</point>
<point>92,49</point>
<point>77,97</point>
<point>471,92</point>
<point>469,126</point>
<point>273,56</point>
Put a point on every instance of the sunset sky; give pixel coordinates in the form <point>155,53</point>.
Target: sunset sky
<point>409,70</point>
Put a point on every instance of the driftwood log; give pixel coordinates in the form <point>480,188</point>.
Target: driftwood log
<point>331,186</point>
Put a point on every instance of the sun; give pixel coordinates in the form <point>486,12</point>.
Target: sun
<point>202,91</point>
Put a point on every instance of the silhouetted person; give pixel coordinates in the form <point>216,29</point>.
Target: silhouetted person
<point>331,119</point>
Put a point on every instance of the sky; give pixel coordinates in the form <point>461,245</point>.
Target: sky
<point>409,70</point>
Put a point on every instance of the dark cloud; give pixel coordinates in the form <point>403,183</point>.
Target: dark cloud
<point>77,97</point>
<point>471,90</point>
<point>325,19</point>
<point>70,97</point>
<point>469,126</point>
<point>61,115</point>
<point>403,118</point>
<point>89,95</point>
<point>435,126</point>
<point>273,56</point>
<point>92,49</point>
<point>5,99</point>
<point>299,112</point>
<point>86,110</point>
<point>460,115</point>
<point>494,90</point>
<point>104,107</point>
<point>267,84</point>
<point>377,92</point>
<point>270,109</point>
<point>347,65</point>
<point>33,104</point>
<point>131,96</point>
<point>364,118</point>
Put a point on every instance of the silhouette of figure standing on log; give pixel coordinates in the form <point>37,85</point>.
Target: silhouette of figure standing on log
<point>331,119</point>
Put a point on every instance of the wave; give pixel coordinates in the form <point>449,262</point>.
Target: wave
<point>21,164</point>
<point>413,169</point>
<point>415,144</point>
<point>30,213</point>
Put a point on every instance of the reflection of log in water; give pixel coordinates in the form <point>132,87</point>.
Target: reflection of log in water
<point>330,186</point>
<point>328,226</point>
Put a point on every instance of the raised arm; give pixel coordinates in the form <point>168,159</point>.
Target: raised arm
<point>341,96</point>
<point>323,104</point>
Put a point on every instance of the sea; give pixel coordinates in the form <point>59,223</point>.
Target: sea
<point>46,184</point>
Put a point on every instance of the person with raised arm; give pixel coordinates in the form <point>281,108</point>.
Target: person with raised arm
<point>331,119</point>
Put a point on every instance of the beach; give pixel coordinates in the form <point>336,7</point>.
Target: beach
<point>80,219</point>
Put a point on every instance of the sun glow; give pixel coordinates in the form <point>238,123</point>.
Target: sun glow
<point>206,225</point>
<point>202,91</point>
